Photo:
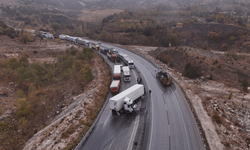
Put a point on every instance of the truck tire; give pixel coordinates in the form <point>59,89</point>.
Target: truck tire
<point>114,112</point>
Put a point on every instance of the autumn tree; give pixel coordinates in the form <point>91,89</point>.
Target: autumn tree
<point>25,37</point>
<point>220,18</point>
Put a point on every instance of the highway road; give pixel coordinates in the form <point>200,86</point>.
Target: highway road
<point>113,131</point>
<point>169,126</point>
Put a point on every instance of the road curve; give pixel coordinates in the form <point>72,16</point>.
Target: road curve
<point>170,124</point>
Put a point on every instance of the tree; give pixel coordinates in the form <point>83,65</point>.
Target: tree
<point>22,108</point>
<point>173,39</point>
<point>240,21</point>
<point>12,63</point>
<point>55,26</point>
<point>23,61</point>
<point>192,71</point>
<point>220,18</point>
<point>86,73</point>
<point>25,37</point>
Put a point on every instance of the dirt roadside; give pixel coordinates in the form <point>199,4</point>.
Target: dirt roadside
<point>70,118</point>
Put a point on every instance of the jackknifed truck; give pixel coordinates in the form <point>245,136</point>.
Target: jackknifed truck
<point>126,100</point>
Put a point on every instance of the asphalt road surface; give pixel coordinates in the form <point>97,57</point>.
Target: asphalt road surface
<point>170,124</point>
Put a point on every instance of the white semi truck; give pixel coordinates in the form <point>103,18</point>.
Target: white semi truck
<point>126,99</point>
<point>126,73</point>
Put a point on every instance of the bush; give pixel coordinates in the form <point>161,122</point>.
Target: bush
<point>12,63</point>
<point>192,71</point>
<point>86,73</point>
<point>24,61</point>
<point>215,62</point>
<point>230,95</point>
<point>235,57</point>
<point>55,26</point>
<point>25,37</point>
<point>217,118</point>
<point>22,108</point>
<point>245,85</point>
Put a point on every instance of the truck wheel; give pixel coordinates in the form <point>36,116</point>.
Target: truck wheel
<point>114,112</point>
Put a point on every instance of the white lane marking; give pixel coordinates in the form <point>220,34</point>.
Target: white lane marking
<point>132,137</point>
<point>111,143</point>
<point>152,124</point>
<point>136,124</point>
<point>178,107</point>
<point>106,119</point>
<point>169,129</point>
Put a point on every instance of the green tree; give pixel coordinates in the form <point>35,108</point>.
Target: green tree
<point>173,39</point>
<point>25,37</point>
<point>22,108</point>
<point>23,61</point>
<point>12,63</point>
<point>88,54</point>
<point>86,73</point>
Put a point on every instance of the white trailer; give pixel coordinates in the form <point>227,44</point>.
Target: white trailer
<point>62,37</point>
<point>126,73</point>
<point>122,56</point>
<point>126,99</point>
<point>117,72</point>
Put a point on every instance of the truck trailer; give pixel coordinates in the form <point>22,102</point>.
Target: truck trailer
<point>117,72</point>
<point>104,50</point>
<point>126,73</point>
<point>82,41</point>
<point>126,100</point>
<point>115,86</point>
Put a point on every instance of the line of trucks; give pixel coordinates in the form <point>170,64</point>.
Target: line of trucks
<point>124,101</point>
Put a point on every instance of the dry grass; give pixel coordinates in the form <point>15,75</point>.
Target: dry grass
<point>69,131</point>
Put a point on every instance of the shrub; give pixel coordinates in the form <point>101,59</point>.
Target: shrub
<point>55,26</point>
<point>192,71</point>
<point>24,61</point>
<point>12,63</point>
<point>230,95</point>
<point>88,54</point>
<point>35,52</point>
<point>211,77</point>
<point>215,62</point>
<point>22,108</point>
<point>232,38</point>
<point>25,37</point>
<point>217,118</point>
<point>86,73</point>
<point>235,57</point>
<point>214,36</point>
<point>245,85</point>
